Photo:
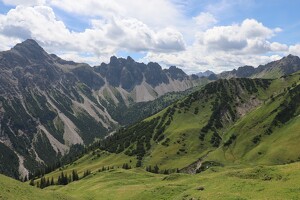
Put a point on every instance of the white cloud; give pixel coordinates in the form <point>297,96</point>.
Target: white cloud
<point>250,28</point>
<point>6,42</point>
<point>295,49</point>
<point>226,47</point>
<point>24,2</point>
<point>205,20</point>
<point>157,27</point>
<point>37,22</point>
<point>192,62</point>
<point>278,47</point>
<point>154,13</point>
<point>249,37</point>
<point>103,39</point>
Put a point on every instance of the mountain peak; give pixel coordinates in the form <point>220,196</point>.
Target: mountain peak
<point>291,57</point>
<point>207,73</point>
<point>30,49</point>
<point>29,43</point>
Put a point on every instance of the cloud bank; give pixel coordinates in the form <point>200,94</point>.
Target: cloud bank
<point>158,29</point>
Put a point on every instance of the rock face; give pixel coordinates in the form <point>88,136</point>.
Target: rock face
<point>48,104</point>
<point>141,82</point>
<point>285,66</point>
<point>207,73</point>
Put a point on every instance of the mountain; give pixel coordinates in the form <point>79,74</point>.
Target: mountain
<point>127,80</point>
<point>207,73</point>
<point>236,133</point>
<point>285,66</point>
<point>48,105</point>
<point>226,122</point>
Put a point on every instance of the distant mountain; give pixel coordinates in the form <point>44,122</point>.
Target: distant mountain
<point>48,105</point>
<point>285,66</point>
<point>139,82</point>
<point>207,73</point>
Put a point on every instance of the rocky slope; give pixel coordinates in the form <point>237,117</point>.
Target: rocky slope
<point>207,73</point>
<point>48,104</point>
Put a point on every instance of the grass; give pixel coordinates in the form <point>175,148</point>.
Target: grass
<point>259,182</point>
<point>93,161</point>
<point>276,182</point>
<point>12,189</point>
<point>182,133</point>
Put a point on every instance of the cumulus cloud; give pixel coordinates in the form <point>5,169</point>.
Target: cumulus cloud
<point>205,20</point>
<point>295,49</point>
<point>192,62</point>
<point>104,38</point>
<point>226,47</point>
<point>157,28</point>
<point>37,22</point>
<point>249,37</point>
<point>154,13</point>
<point>24,2</point>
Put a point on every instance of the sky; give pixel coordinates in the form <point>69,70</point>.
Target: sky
<point>195,35</point>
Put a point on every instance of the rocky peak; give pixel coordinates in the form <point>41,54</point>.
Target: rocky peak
<point>176,73</point>
<point>207,73</point>
<point>291,59</point>
<point>245,71</point>
<point>30,49</point>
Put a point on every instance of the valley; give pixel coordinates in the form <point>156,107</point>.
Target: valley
<point>77,132</point>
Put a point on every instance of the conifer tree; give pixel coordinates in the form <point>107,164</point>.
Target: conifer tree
<point>52,181</point>
<point>31,182</point>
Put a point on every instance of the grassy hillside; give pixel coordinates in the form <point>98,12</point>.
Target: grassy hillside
<point>12,189</point>
<point>280,182</point>
<point>269,134</point>
<point>273,182</point>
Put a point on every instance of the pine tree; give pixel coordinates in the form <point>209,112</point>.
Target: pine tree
<point>48,182</point>
<point>75,175</point>
<point>139,163</point>
<point>31,182</point>
<point>52,181</point>
<point>43,182</point>
<point>156,169</point>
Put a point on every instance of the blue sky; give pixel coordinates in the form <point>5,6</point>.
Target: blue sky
<point>195,35</point>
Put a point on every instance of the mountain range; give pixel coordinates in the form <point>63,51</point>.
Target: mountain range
<point>286,65</point>
<point>49,106</point>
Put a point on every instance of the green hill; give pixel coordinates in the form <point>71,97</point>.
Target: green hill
<point>241,134</point>
<point>228,122</point>
<point>272,182</point>
<point>13,189</point>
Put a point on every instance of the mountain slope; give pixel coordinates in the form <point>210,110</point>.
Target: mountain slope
<point>285,66</point>
<point>47,104</point>
<point>228,130</point>
<point>12,189</point>
<point>227,121</point>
